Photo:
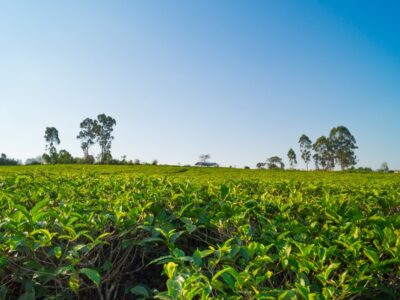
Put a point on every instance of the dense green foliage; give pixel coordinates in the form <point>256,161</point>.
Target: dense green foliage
<point>192,233</point>
<point>5,161</point>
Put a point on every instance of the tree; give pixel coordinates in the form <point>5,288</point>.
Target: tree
<point>103,131</point>
<point>87,135</point>
<point>260,165</point>
<point>292,158</point>
<point>343,146</point>
<point>305,149</point>
<point>64,157</point>
<point>275,162</point>
<point>384,167</point>
<point>204,157</point>
<point>34,161</point>
<point>5,161</point>
<point>52,139</point>
<point>324,156</point>
<point>89,159</point>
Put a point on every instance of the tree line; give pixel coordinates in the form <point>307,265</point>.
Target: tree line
<point>5,161</point>
<point>327,152</point>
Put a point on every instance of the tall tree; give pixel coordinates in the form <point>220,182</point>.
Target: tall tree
<point>52,139</point>
<point>292,158</point>
<point>275,162</point>
<point>343,145</point>
<point>324,156</point>
<point>87,135</point>
<point>305,149</point>
<point>104,128</point>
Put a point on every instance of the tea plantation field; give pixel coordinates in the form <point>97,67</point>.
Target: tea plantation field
<point>145,232</point>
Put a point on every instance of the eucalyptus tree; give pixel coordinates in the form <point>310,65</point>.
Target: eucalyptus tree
<point>292,158</point>
<point>103,129</point>
<point>324,156</point>
<point>87,135</point>
<point>52,139</point>
<point>305,149</point>
<point>343,145</point>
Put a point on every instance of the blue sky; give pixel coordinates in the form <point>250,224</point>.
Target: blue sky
<point>240,80</point>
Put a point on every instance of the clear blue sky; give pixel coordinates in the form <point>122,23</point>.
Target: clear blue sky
<point>240,80</point>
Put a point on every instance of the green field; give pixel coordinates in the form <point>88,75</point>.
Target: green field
<point>143,232</point>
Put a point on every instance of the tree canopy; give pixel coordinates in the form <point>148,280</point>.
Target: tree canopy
<point>103,129</point>
<point>292,158</point>
<point>343,145</point>
<point>305,149</point>
<point>52,139</point>
<point>5,161</point>
<point>324,156</point>
<point>275,162</point>
<point>87,135</point>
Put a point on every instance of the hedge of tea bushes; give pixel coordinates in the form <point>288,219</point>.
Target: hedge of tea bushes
<point>80,236</point>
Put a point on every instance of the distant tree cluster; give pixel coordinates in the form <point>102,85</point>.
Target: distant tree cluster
<point>335,149</point>
<point>272,163</point>
<point>52,156</point>
<point>327,151</point>
<point>5,161</point>
<point>97,131</point>
<point>92,131</point>
<point>34,161</point>
<point>275,162</point>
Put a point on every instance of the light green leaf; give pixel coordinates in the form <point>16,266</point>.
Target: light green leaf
<point>73,282</point>
<point>38,206</point>
<point>372,255</point>
<point>57,252</point>
<point>174,288</point>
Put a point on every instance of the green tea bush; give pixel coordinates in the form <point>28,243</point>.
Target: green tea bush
<point>92,236</point>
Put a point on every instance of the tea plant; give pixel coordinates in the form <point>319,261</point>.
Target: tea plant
<point>116,236</point>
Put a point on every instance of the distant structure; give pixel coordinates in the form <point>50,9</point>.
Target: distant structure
<point>206,164</point>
